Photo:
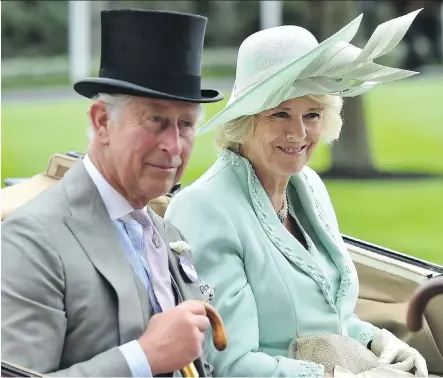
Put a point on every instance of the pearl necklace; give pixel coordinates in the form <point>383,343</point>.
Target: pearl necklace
<point>281,214</point>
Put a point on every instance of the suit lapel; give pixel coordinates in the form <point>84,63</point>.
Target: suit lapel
<point>188,289</point>
<point>185,288</point>
<point>90,224</point>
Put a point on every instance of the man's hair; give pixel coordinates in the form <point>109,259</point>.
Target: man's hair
<point>116,103</point>
<point>237,131</point>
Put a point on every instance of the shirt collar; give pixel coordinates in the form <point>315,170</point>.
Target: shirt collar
<point>118,207</point>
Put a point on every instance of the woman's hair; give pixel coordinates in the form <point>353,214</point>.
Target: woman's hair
<point>235,132</point>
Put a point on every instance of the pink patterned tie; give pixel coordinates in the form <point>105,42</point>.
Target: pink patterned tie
<point>157,255</point>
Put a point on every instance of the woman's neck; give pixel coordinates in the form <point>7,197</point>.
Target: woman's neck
<point>274,185</point>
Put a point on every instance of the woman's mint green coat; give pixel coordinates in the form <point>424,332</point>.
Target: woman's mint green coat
<point>268,288</point>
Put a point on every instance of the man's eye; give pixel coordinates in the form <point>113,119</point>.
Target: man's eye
<point>187,124</point>
<point>156,119</point>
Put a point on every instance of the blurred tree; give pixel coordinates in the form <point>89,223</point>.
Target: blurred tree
<point>304,14</point>
<point>172,5</point>
<point>351,154</point>
<point>34,28</point>
<point>240,19</point>
<point>230,22</point>
<point>96,7</point>
<point>424,38</point>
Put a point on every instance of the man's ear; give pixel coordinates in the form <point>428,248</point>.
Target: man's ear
<point>100,122</point>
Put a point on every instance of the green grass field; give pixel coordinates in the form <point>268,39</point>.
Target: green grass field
<point>405,123</point>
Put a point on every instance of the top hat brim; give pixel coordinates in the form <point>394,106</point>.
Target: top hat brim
<point>92,86</point>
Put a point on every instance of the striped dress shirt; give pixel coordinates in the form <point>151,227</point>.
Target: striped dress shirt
<point>131,236</point>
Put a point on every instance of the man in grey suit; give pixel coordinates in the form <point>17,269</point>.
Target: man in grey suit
<point>94,283</point>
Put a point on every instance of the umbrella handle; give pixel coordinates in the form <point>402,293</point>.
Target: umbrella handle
<point>190,371</point>
<point>218,337</point>
<point>419,301</point>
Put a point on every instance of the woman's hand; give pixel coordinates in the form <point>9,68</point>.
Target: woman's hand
<point>397,354</point>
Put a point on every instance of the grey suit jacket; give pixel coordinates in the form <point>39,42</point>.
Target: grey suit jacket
<point>69,296</point>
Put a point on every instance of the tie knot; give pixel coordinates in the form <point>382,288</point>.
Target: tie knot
<point>141,217</point>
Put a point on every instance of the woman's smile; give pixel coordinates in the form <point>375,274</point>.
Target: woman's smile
<point>293,151</point>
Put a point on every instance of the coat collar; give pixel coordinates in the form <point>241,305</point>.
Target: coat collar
<point>117,206</point>
<point>314,207</point>
<point>187,289</point>
<point>91,225</point>
<point>283,240</point>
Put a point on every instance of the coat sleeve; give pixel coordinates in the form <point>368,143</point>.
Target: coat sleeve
<point>218,254</point>
<point>34,322</point>
<point>358,329</point>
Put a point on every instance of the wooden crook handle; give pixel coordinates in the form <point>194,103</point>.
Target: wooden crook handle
<point>419,301</point>
<point>218,337</point>
<point>218,329</point>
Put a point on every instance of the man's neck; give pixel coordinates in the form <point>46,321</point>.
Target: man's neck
<point>138,202</point>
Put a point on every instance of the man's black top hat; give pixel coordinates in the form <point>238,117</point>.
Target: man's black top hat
<point>150,53</point>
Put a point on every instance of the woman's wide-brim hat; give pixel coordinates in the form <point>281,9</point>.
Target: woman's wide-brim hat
<point>150,53</point>
<point>285,62</point>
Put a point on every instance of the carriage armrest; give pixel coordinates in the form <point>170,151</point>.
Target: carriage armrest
<point>9,181</point>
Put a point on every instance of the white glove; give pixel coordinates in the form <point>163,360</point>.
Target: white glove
<point>391,350</point>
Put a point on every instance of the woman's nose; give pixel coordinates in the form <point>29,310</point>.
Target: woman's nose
<point>297,131</point>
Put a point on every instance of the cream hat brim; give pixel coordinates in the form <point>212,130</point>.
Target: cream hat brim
<point>332,67</point>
